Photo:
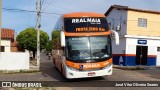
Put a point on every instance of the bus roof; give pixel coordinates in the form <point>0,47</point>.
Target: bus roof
<point>83,14</point>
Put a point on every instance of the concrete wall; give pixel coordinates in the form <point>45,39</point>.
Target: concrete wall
<point>14,61</point>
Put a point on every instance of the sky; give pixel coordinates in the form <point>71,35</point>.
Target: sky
<point>19,21</point>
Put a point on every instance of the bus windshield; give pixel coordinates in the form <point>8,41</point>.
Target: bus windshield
<point>86,24</point>
<point>85,48</point>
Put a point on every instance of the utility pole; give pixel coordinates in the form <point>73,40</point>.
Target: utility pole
<point>38,32</point>
<point>0,23</point>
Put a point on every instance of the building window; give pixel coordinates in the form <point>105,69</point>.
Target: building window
<point>2,49</point>
<point>142,22</point>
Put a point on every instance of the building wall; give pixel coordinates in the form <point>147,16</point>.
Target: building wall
<point>7,44</point>
<point>119,51</point>
<point>145,33</point>
<point>118,18</point>
<point>125,53</point>
<point>153,24</point>
<point>16,49</point>
<point>152,51</point>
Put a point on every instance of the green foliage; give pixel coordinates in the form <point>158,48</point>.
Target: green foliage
<point>55,35</point>
<point>44,39</point>
<point>27,39</point>
<point>56,39</point>
<point>49,46</point>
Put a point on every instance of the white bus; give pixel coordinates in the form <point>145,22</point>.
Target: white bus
<point>85,45</point>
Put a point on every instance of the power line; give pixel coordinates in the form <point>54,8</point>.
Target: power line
<point>36,23</point>
<point>42,2</point>
<point>21,10</point>
<point>48,5</point>
<point>17,10</point>
<point>52,13</point>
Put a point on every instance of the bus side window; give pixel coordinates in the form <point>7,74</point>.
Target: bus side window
<point>63,51</point>
<point>70,51</point>
<point>106,48</point>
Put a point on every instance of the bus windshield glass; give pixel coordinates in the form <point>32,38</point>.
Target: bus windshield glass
<point>86,24</point>
<point>85,48</point>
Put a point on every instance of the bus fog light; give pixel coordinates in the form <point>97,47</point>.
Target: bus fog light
<point>109,70</point>
<point>70,73</point>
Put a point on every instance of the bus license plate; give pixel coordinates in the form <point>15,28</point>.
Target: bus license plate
<point>91,74</point>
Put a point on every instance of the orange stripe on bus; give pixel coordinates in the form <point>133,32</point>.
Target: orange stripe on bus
<point>89,65</point>
<point>87,34</point>
<point>83,14</point>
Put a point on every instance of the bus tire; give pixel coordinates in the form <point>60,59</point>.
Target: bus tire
<point>54,61</point>
<point>62,70</point>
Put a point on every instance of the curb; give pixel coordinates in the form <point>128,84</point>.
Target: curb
<point>137,67</point>
<point>19,71</point>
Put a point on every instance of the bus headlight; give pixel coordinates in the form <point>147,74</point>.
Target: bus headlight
<point>73,69</point>
<point>109,65</point>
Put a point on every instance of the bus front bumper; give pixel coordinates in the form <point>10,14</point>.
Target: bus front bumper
<point>71,74</point>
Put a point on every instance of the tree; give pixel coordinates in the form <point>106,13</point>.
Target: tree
<point>56,39</point>
<point>27,39</point>
<point>49,46</point>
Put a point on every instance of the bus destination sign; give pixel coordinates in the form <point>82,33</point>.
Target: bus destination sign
<point>86,24</point>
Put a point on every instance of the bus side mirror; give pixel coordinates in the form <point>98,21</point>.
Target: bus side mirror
<point>116,36</point>
<point>62,39</point>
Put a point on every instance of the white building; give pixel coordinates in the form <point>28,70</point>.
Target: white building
<point>10,58</point>
<point>6,38</point>
<point>139,32</point>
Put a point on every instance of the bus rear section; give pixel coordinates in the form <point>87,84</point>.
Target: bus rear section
<point>86,46</point>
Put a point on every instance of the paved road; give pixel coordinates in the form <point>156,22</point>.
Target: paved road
<point>52,74</point>
<point>49,73</point>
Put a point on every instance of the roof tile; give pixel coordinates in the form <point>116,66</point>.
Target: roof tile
<point>7,33</point>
